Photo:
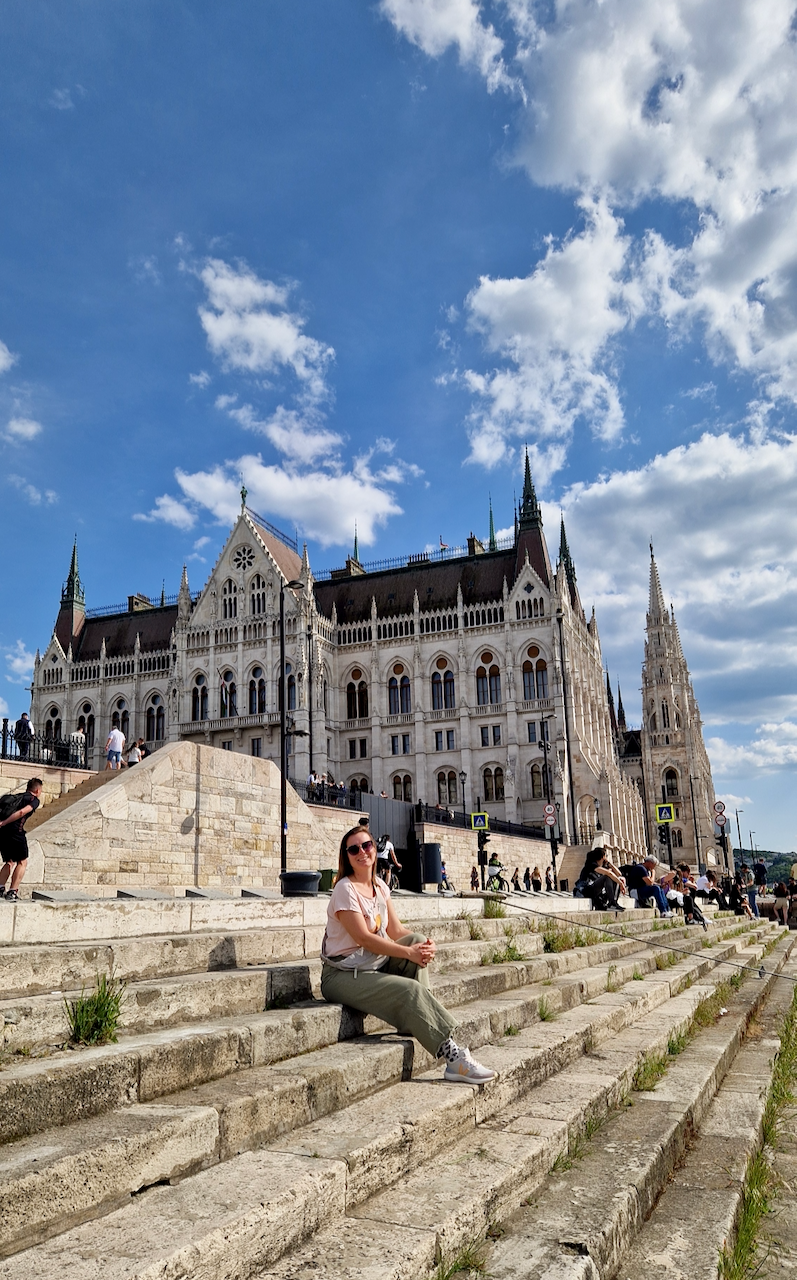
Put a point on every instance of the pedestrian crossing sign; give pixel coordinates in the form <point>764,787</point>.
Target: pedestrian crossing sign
<point>480,821</point>
<point>665,813</point>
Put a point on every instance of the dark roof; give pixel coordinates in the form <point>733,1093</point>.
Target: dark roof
<point>630,743</point>
<point>119,631</point>
<point>481,578</point>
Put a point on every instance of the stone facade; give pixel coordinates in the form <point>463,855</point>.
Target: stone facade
<point>477,661</point>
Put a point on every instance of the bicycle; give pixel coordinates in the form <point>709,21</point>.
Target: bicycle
<point>497,884</point>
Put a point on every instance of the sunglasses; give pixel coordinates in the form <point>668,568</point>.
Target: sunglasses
<point>367,845</point>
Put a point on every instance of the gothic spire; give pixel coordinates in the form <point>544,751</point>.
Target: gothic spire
<point>355,555</point>
<point>656,607</point>
<point>493,545</point>
<point>620,711</point>
<point>530,516</point>
<point>72,591</point>
<point>610,700</point>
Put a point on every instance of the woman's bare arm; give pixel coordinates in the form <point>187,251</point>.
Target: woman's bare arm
<point>354,924</point>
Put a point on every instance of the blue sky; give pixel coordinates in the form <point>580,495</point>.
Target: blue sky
<point>365,252</point>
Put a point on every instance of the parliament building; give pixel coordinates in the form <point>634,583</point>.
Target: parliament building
<point>469,676</point>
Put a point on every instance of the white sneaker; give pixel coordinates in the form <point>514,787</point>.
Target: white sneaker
<point>466,1070</point>
<point>667,915</point>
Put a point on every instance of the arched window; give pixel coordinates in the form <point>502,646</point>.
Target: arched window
<point>120,717</point>
<point>652,723</point>
<point>405,695</point>
<point>257,692</point>
<point>406,784</point>
<point>86,723</point>
<point>495,684</point>
<point>258,595</point>
<point>52,728</point>
<point>291,685</point>
<point>489,793</point>
<point>528,681</point>
<point>482,688</point>
<point>351,701</point>
<point>156,719</point>
<point>671,782</point>
<point>452,787</point>
<point>397,787</point>
<point>498,781</point>
<point>229,600</point>
<point>536,782</point>
<point>437,691</point>
<point>442,789</point>
<point>199,699</point>
<point>393,699</point>
<point>362,699</point>
<point>677,838</point>
<point>229,695</point>
<point>449,691</point>
<point>665,716</point>
<point>542,678</point>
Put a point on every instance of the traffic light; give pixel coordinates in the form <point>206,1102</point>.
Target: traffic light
<point>662,835</point>
<point>483,839</point>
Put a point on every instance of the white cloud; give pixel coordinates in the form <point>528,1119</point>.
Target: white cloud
<point>250,329</point>
<point>19,429</point>
<point>145,269</point>
<point>19,663</point>
<point>34,496</point>
<point>170,511</point>
<point>689,108</point>
<point>773,748</point>
<point>201,542</point>
<point>555,328</point>
<point>201,379</point>
<point>322,504</point>
<point>7,358</point>
<point>299,437</point>
<point>4,708</point>
<point>61,99</point>
<point>437,25</point>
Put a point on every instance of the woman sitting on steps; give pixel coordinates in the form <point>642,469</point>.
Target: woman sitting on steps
<point>372,964</point>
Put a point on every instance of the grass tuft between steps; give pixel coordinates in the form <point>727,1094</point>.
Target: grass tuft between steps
<point>494,909</point>
<point>475,930</point>
<point>94,1018</point>
<point>469,1260</point>
<point>760,1190</point>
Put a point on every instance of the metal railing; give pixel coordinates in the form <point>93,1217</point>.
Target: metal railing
<point>329,793</point>
<point>44,748</point>
<point>453,817</point>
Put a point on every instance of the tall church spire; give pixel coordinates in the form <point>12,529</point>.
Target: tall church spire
<point>355,555</point>
<point>656,606</point>
<point>530,516</point>
<point>72,613</point>
<point>493,545</point>
<point>610,699</point>
<point>72,590</point>
<point>621,724</point>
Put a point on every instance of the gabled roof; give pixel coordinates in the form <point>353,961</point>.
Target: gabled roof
<point>119,630</point>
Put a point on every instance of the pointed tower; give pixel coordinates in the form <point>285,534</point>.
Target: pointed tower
<point>621,723</point>
<point>72,613</point>
<point>184,598</point>
<point>566,564</point>
<point>610,700</point>
<point>355,555</point>
<point>530,539</point>
<point>492,544</point>
<point>675,763</point>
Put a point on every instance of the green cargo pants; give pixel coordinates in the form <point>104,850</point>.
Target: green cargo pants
<point>398,993</point>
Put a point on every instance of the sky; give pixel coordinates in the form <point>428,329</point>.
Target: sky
<point>363,254</point>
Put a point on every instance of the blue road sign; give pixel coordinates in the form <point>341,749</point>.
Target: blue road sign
<point>480,821</point>
<point>665,813</point>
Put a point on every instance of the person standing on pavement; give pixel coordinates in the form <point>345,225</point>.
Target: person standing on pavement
<point>14,842</point>
<point>114,748</point>
<point>760,875</point>
<point>23,735</point>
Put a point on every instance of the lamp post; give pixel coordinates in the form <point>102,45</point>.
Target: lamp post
<point>293,584</point>
<point>752,833</point>
<point>462,777</point>
<point>545,747</point>
<point>598,826</point>
<point>738,830</point>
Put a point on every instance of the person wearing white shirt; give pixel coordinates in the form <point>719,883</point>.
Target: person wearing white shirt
<point>114,748</point>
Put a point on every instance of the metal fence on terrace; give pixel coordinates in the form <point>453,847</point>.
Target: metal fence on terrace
<point>43,748</point>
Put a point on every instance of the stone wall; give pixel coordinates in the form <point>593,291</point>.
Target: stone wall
<point>459,849</point>
<point>15,773</point>
<point>188,815</point>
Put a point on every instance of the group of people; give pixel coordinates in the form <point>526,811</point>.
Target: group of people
<point>117,756</point>
<point>532,879</point>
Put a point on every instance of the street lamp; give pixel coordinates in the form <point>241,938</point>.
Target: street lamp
<point>462,777</point>
<point>739,829</point>
<point>752,833</point>
<point>598,826</point>
<point>292,585</point>
<point>545,747</point>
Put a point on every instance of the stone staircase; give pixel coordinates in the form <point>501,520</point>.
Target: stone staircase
<point>241,1127</point>
<point>51,807</point>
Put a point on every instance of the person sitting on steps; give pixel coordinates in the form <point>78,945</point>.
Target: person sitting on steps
<point>372,964</point>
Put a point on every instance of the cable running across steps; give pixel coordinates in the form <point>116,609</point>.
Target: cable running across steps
<point>763,972</point>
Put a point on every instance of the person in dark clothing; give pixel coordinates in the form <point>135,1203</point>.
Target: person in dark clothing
<point>23,735</point>
<point>600,882</point>
<point>641,878</point>
<point>14,843</point>
<point>536,880</point>
<point>527,879</point>
<point>760,875</point>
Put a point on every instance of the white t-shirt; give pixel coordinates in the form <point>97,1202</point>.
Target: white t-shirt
<point>116,740</point>
<point>337,939</point>
<point>703,882</point>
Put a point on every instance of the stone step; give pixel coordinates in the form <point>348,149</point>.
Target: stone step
<point>485,1180</point>
<point>580,1224</point>
<point>75,1084</point>
<point>714,1170</point>
<point>261,1104</point>
<point>85,788</point>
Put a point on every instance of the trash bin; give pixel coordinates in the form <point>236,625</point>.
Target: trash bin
<point>300,884</point>
<point>327,876</point>
<point>432,864</point>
